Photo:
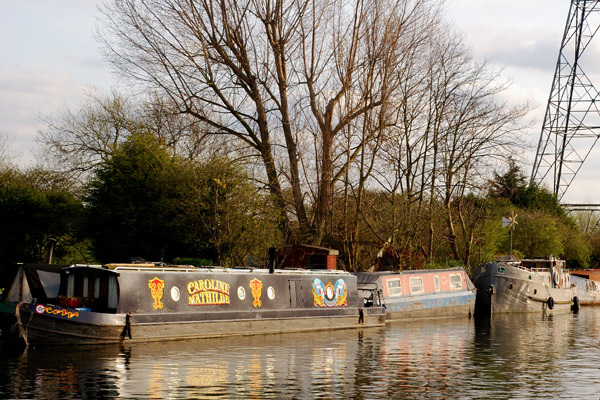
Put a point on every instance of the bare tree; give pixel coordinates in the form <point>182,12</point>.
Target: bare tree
<point>75,141</point>
<point>274,74</point>
<point>6,154</point>
<point>449,127</point>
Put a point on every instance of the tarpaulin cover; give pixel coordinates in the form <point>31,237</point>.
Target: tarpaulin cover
<point>39,281</point>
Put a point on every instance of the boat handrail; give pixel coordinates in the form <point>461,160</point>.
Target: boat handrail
<point>157,269</point>
<point>537,269</point>
<point>228,270</point>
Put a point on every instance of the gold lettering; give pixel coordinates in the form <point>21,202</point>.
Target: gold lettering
<point>208,292</point>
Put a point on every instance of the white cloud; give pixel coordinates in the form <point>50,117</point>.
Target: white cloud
<point>523,38</point>
<point>50,57</point>
<point>25,94</point>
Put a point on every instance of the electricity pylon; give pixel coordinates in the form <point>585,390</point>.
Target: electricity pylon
<point>572,121</point>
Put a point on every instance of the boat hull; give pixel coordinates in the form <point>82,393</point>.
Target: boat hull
<point>8,322</point>
<point>506,288</point>
<point>588,291</point>
<point>97,328</point>
<point>431,306</point>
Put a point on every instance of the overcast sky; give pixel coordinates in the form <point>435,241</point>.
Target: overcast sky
<point>49,58</point>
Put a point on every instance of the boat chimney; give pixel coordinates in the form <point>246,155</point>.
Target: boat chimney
<point>332,259</point>
<point>272,252</point>
<point>52,242</point>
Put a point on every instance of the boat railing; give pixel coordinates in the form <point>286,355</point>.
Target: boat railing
<point>158,269</point>
<point>226,270</point>
<point>86,265</point>
<point>533,269</point>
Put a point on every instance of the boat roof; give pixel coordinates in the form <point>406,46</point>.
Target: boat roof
<point>593,274</point>
<point>152,267</point>
<point>81,267</point>
<point>371,277</point>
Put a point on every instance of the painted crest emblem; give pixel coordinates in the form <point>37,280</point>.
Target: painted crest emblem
<point>256,287</point>
<point>157,287</point>
<point>330,295</point>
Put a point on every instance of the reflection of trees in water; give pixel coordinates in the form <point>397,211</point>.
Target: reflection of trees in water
<point>518,354</point>
<point>425,358</point>
<point>369,381</point>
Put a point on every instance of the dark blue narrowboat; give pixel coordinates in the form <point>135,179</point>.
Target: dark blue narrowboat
<point>147,302</point>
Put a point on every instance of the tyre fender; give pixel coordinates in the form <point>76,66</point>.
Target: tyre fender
<point>575,306</point>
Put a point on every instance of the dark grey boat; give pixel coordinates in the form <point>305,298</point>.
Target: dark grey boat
<point>130,302</point>
<point>534,285</point>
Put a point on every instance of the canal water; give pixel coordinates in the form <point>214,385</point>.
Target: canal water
<point>508,357</point>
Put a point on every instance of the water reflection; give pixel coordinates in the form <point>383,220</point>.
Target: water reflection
<point>513,356</point>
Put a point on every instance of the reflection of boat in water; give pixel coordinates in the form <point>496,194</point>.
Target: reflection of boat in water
<point>290,365</point>
<point>524,286</point>
<point>423,293</point>
<point>132,302</point>
<point>587,286</point>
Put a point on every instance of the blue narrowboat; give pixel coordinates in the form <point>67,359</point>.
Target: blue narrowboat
<point>423,293</point>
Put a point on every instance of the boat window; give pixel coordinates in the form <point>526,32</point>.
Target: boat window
<point>113,296</point>
<point>71,285</point>
<point>455,282</point>
<point>97,287</point>
<point>85,287</point>
<point>394,287</point>
<point>416,285</point>
<point>436,283</point>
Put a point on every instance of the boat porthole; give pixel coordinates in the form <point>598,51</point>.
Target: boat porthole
<point>510,286</point>
<point>241,293</point>
<point>175,293</point>
<point>329,293</point>
<point>271,292</point>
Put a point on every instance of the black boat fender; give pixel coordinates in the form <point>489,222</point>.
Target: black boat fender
<point>550,302</point>
<point>575,306</point>
<point>127,328</point>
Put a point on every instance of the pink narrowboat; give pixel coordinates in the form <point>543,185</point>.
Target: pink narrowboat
<point>423,293</point>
